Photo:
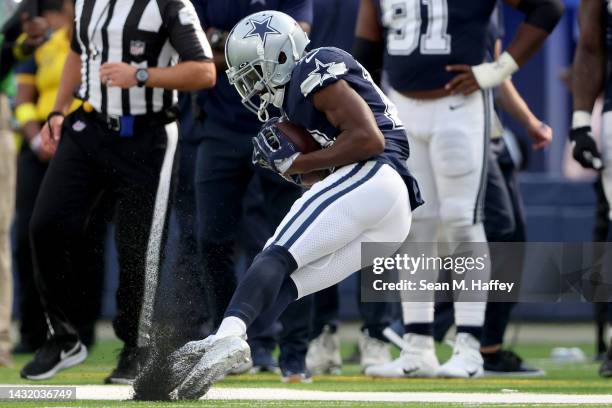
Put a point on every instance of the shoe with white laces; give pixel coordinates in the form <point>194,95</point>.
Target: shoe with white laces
<point>417,359</point>
<point>373,351</point>
<point>323,354</point>
<point>466,361</point>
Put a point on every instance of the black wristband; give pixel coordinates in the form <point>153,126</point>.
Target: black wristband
<point>54,113</point>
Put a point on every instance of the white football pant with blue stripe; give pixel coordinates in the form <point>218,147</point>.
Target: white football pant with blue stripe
<point>449,139</point>
<point>324,230</point>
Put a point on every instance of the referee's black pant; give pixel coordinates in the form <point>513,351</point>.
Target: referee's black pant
<point>33,328</point>
<point>138,172</point>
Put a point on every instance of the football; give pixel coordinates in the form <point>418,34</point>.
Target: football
<point>299,136</point>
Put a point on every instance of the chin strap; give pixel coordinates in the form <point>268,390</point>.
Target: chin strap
<point>263,115</point>
<point>275,98</point>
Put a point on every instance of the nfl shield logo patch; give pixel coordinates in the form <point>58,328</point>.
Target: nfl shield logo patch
<point>79,126</point>
<point>137,48</point>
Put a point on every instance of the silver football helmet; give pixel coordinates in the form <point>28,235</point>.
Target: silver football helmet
<point>261,52</point>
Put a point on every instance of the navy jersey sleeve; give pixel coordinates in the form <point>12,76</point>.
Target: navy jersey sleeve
<point>185,31</point>
<point>300,10</point>
<point>320,68</point>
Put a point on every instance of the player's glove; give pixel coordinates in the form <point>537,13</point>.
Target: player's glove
<point>273,150</point>
<point>584,148</point>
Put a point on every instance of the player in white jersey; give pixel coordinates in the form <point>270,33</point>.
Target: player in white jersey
<point>433,55</point>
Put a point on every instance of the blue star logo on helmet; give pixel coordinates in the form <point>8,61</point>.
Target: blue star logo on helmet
<point>261,29</point>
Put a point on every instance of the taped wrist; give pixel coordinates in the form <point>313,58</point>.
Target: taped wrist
<point>581,119</point>
<point>492,74</point>
<point>370,55</point>
<point>544,14</point>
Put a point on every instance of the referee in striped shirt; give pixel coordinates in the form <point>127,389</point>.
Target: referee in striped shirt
<point>127,60</point>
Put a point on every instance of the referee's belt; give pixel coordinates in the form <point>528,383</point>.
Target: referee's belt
<point>114,123</point>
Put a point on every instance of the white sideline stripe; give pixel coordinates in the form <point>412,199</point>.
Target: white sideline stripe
<point>124,392</point>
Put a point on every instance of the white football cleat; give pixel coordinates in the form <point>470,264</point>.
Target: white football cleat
<point>323,354</point>
<point>221,356</point>
<point>466,361</point>
<point>373,351</point>
<point>418,360</point>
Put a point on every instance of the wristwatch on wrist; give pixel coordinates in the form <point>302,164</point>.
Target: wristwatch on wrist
<point>142,76</point>
<point>217,40</point>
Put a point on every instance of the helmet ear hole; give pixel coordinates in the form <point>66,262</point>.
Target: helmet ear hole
<point>282,57</point>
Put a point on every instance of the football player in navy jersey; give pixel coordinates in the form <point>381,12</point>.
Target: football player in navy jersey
<point>590,78</point>
<point>433,53</point>
<point>367,195</point>
<point>225,176</point>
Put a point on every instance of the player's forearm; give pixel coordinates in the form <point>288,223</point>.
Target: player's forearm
<point>587,79</point>
<point>541,17</point>
<point>350,147</point>
<point>527,41</point>
<point>185,76</point>
<point>71,79</point>
<point>588,71</point>
<point>513,103</point>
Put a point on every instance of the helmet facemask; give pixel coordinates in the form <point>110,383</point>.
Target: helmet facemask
<point>255,79</point>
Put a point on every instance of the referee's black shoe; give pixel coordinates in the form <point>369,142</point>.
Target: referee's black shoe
<point>508,363</point>
<point>605,370</point>
<point>128,366</point>
<point>56,354</point>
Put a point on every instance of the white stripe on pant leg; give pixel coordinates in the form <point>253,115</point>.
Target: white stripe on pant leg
<point>303,216</point>
<point>152,259</point>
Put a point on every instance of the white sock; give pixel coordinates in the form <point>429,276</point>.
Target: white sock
<point>418,312</point>
<point>231,326</point>
<point>470,313</point>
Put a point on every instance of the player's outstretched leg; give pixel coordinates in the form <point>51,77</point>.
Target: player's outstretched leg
<point>320,239</point>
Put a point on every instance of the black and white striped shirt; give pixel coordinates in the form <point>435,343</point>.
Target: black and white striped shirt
<point>143,33</point>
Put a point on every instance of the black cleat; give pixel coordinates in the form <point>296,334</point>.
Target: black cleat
<point>128,366</point>
<point>54,355</point>
<point>605,370</point>
<point>508,363</point>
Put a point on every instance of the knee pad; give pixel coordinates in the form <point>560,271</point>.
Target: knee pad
<point>454,158</point>
<point>456,213</point>
<point>464,233</point>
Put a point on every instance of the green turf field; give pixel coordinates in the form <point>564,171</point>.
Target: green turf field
<point>560,378</point>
